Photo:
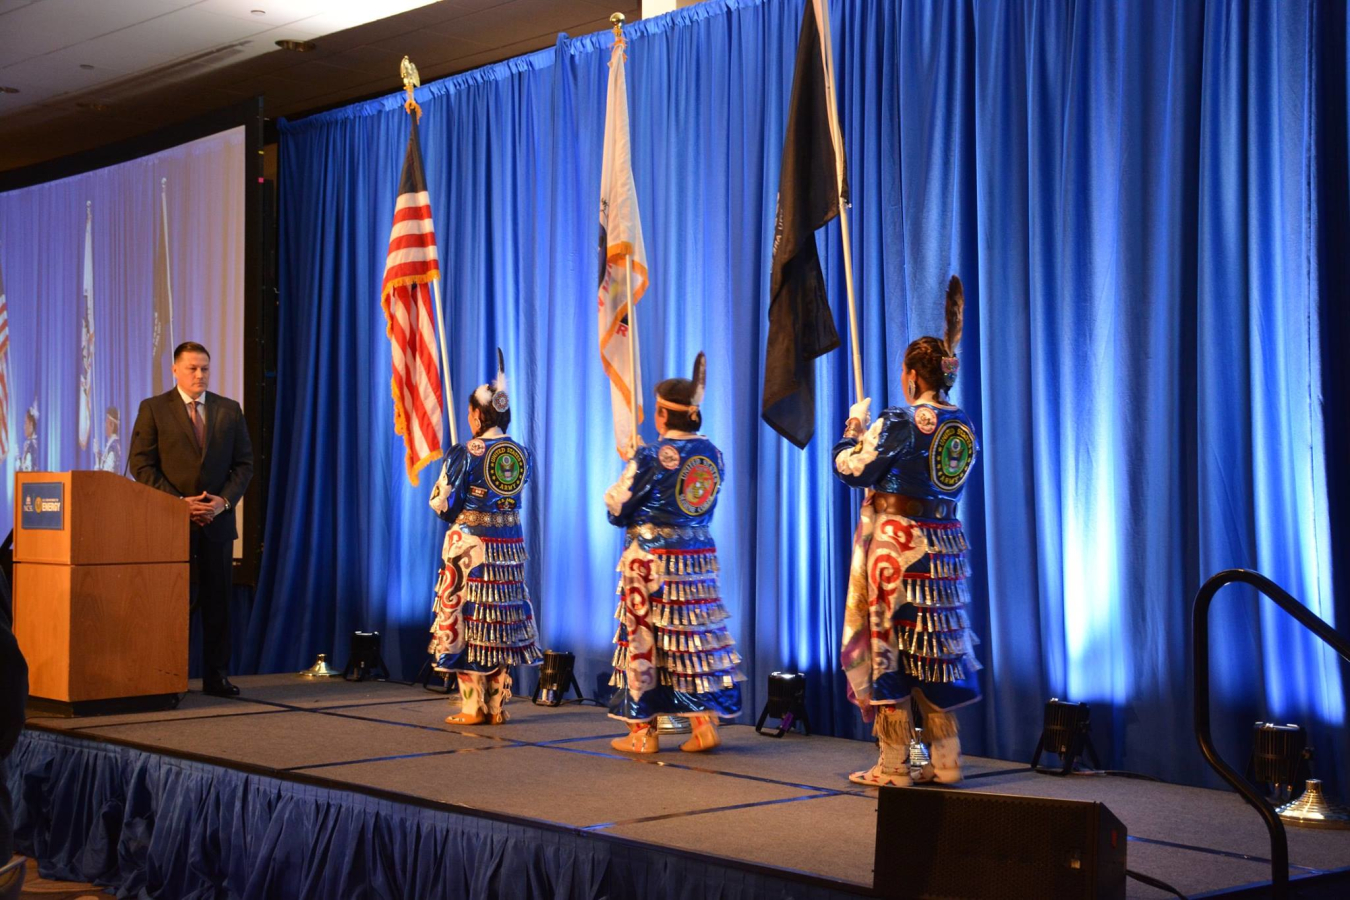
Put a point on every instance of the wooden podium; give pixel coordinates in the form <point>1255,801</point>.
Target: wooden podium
<point>100,592</point>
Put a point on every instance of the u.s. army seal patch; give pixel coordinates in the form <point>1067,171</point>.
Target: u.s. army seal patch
<point>951,455</point>
<point>505,469</point>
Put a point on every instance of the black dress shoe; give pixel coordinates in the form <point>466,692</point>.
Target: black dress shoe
<point>219,686</point>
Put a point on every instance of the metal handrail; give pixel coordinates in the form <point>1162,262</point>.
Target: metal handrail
<point>1279,841</point>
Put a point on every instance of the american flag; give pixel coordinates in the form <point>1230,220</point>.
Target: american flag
<point>409,269</point>
<point>4,371</point>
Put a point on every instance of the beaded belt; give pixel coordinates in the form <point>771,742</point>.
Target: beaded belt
<point>650,532</point>
<point>913,507</point>
<point>488,519</point>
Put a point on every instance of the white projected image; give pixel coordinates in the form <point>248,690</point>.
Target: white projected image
<point>101,275</point>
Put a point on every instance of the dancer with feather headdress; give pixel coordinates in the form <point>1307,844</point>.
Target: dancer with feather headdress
<point>484,622</point>
<point>906,633</point>
<point>673,654</point>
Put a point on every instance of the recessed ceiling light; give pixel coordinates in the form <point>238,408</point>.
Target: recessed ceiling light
<point>6,89</point>
<point>258,12</point>
<point>91,106</point>
<point>85,66</point>
<point>297,46</point>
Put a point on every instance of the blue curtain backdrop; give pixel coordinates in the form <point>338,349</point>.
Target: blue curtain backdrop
<point>1144,201</point>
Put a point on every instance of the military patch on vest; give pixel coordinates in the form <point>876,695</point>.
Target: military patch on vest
<point>950,456</point>
<point>696,486</point>
<point>669,457</point>
<point>477,447</point>
<point>478,492</point>
<point>925,418</point>
<point>505,469</point>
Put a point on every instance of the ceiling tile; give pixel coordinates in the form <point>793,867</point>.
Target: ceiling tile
<point>448,10</point>
<point>180,58</point>
<point>190,29</point>
<point>522,18</point>
<point>276,12</point>
<point>370,59</point>
<point>31,90</point>
<point>428,45</point>
<point>73,21</point>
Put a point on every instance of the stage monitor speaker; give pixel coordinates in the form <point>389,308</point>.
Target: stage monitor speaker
<point>936,842</point>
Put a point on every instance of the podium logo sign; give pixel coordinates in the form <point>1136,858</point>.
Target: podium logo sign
<point>43,505</point>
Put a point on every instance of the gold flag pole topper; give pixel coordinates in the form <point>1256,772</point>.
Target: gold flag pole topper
<point>411,80</point>
<point>408,72</point>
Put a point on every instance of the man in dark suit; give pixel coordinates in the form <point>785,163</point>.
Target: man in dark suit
<point>194,444</point>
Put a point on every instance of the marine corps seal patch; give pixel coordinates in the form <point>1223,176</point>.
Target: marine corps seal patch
<point>696,486</point>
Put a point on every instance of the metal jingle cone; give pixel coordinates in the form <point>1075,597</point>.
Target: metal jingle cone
<point>918,753</point>
<point>321,669</point>
<point>1313,809</point>
<point>673,725</point>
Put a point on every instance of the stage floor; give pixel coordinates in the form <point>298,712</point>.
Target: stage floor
<point>784,805</point>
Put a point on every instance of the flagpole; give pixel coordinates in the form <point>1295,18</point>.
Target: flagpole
<point>822,12</point>
<point>89,314</point>
<point>411,80</point>
<point>852,305</point>
<point>632,350</point>
<point>449,404</point>
<point>617,21</point>
<point>168,269</point>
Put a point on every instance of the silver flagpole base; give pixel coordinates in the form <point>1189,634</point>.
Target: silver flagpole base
<point>673,725</point>
<point>1314,810</point>
<point>321,669</point>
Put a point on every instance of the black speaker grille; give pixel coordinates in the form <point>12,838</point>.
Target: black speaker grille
<point>947,843</point>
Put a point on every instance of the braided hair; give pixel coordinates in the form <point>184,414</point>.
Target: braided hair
<point>935,359</point>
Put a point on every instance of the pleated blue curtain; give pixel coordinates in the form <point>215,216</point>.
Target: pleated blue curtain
<point>1133,194</point>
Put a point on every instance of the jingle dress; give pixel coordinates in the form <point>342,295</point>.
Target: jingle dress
<point>673,654</point>
<point>905,623</point>
<point>483,617</point>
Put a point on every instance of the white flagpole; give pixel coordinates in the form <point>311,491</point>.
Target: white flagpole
<point>168,269</point>
<point>822,12</point>
<point>852,304</point>
<point>87,270</point>
<point>448,407</point>
<point>632,350</point>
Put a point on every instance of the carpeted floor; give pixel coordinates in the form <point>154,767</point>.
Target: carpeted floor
<point>781,803</point>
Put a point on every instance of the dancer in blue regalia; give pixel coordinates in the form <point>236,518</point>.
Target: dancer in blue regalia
<point>907,637</point>
<point>673,653</point>
<point>484,622</point>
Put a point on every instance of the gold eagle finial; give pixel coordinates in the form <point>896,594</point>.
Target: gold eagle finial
<point>408,72</point>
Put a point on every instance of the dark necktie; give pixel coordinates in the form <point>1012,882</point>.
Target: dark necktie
<point>198,426</point>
